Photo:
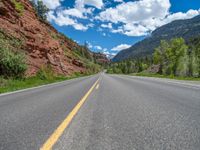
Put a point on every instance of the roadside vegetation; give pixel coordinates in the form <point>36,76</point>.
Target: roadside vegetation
<point>13,67</point>
<point>13,61</point>
<point>172,59</point>
<point>8,85</point>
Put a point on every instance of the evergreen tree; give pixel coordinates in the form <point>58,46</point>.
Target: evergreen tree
<point>40,8</point>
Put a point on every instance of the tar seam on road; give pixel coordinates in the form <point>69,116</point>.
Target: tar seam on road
<point>59,131</point>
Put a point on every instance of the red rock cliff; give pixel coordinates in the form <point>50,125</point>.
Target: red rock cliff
<point>41,42</point>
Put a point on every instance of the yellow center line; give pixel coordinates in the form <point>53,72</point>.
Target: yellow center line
<point>97,87</point>
<point>59,131</point>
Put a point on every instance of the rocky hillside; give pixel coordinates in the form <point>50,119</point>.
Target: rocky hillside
<point>181,28</point>
<point>101,58</point>
<point>22,30</point>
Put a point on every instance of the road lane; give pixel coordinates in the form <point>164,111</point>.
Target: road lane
<point>128,113</point>
<point>28,118</point>
<point>122,113</point>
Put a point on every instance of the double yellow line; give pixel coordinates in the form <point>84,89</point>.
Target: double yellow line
<point>59,131</point>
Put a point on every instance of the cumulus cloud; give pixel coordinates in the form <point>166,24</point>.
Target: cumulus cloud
<point>51,4</point>
<point>96,3</point>
<point>139,18</point>
<point>176,16</point>
<point>109,54</point>
<point>133,18</point>
<point>109,25</point>
<point>70,16</point>
<point>118,1</point>
<point>63,20</point>
<point>98,47</point>
<point>133,12</point>
<point>121,47</point>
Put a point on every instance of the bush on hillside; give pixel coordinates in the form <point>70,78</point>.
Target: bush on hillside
<point>18,6</point>
<point>12,64</point>
<point>45,73</point>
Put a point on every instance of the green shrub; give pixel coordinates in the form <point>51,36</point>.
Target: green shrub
<point>12,64</point>
<point>45,73</point>
<point>18,6</point>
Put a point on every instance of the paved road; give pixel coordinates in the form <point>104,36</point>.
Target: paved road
<point>122,113</point>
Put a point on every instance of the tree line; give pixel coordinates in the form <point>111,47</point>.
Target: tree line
<point>41,9</point>
<point>174,57</point>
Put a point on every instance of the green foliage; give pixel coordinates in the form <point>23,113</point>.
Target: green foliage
<point>18,6</point>
<point>84,52</point>
<point>12,64</point>
<point>45,73</point>
<point>130,66</point>
<point>12,61</point>
<point>7,85</point>
<point>41,9</point>
<point>92,68</point>
<point>194,57</point>
<point>178,59</point>
<point>172,58</point>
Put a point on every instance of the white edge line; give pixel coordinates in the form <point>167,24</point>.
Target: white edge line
<point>168,81</point>
<point>173,82</point>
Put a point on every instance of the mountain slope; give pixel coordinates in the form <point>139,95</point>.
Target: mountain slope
<point>22,30</point>
<point>180,28</point>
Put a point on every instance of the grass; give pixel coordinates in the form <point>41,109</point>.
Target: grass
<point>9,85</point>
<point>165,76</point>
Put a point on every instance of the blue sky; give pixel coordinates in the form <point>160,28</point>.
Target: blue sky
<point>109,26</point>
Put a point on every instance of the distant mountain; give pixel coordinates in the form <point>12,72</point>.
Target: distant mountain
<point>180,28</point>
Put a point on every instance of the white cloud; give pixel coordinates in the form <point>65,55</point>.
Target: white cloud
<point>95,3</point>
<point>132,30</point>
<point>118,1</point>
<point>138,18</point>
<point>109,54</point>
<point>109,25</point>
<point>104,34</point>
<point>69,16</point>
<point>105,49</point>
<point>89,45</point>
<point>134,12</point>
<point>121,47</point>
<point>52,4</point>
<point>73,12</point>
<point>98,47</point>
<point>64,20</point>
<point>133,18</point>
<point>176,16</point>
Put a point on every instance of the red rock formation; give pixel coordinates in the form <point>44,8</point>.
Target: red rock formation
<point>101,58</point>
<point>41,42</point>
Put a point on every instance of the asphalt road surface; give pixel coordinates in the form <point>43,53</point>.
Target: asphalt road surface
<point>121,113</point>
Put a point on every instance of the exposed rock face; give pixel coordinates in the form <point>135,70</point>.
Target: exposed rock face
<point>101,58</point>
<point>41,42</point>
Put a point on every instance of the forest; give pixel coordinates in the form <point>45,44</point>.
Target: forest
<point>175,57</point>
